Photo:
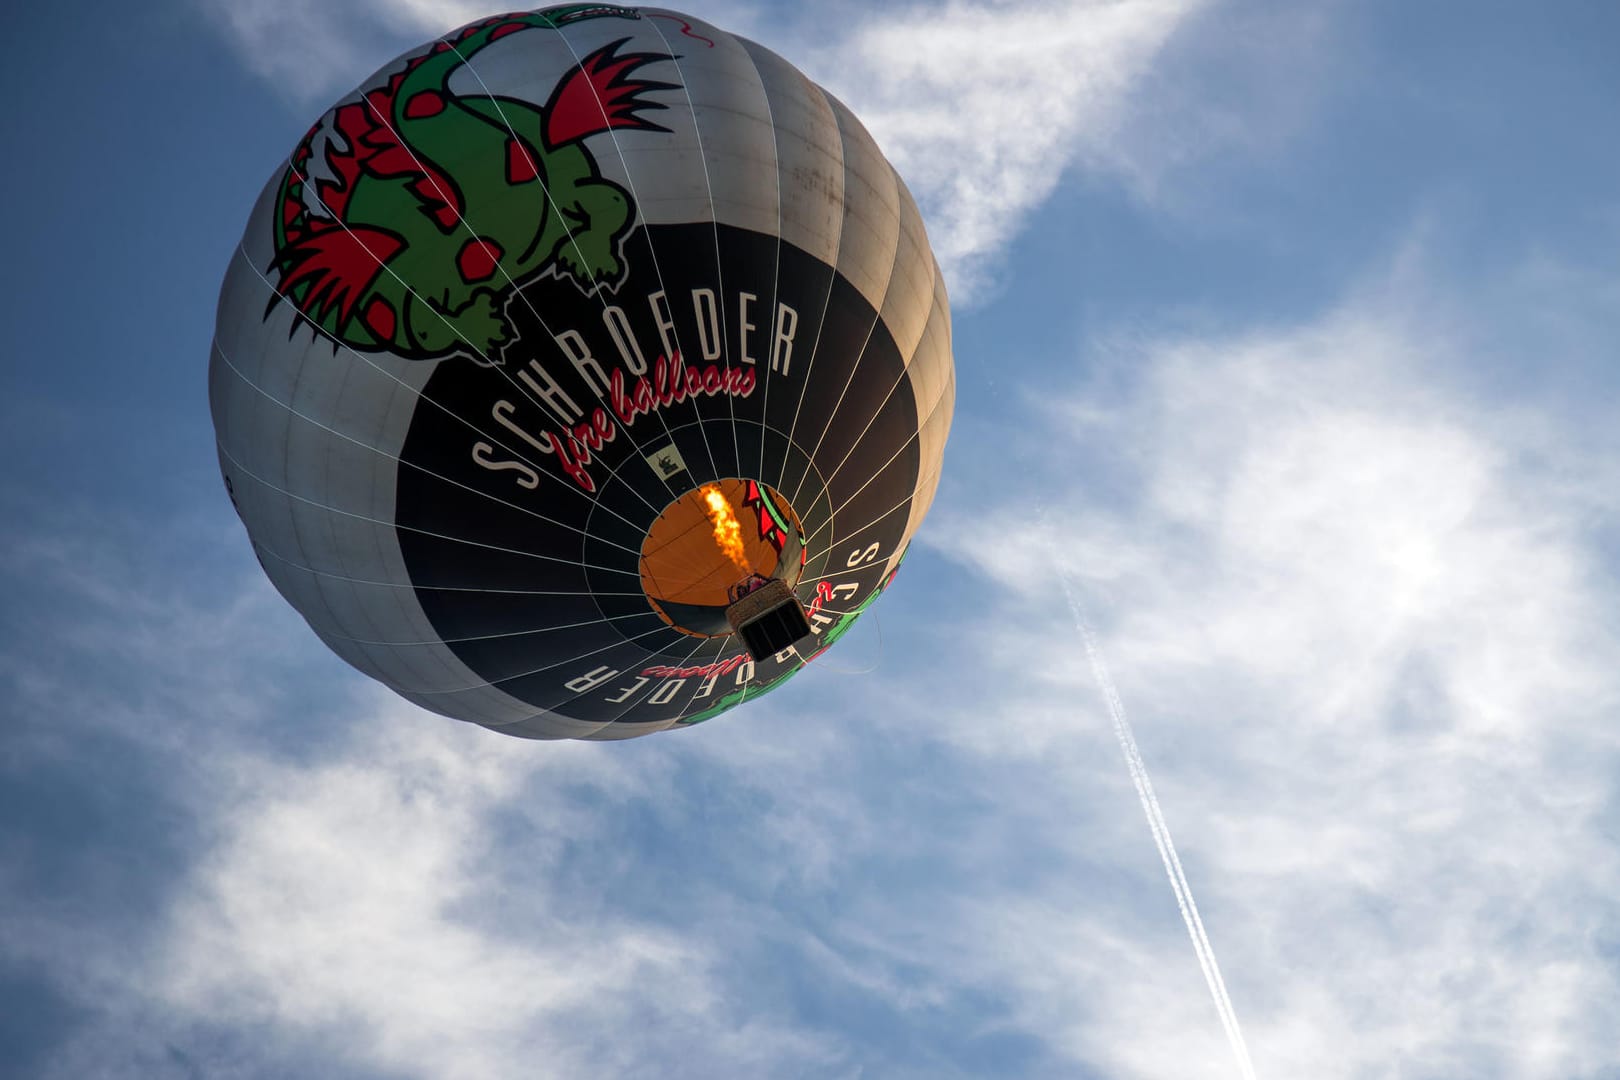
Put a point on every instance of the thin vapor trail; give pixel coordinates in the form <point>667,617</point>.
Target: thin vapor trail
<point>1160,828</point>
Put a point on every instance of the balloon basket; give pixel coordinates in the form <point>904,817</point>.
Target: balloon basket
<point>767,616</point>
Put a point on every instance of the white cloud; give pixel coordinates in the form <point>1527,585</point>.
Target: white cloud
<point>311,50</point>
<point>367,895</point>
<point>422,899</point>
<point>982,107</point>
<point>1361,621</point>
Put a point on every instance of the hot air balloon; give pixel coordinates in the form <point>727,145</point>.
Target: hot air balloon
<point>583,373</point>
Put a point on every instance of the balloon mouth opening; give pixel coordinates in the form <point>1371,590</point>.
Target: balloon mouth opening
<point>707,541</point>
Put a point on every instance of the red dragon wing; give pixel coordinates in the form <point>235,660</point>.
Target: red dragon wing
<point>599,95</point>
<point>332,268</point>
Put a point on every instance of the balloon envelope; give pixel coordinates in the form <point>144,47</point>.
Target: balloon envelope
<point>550,333</point>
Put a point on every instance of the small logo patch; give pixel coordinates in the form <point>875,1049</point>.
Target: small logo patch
<point>666,462</point>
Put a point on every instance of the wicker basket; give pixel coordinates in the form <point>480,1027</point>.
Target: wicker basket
<point>769,619</point>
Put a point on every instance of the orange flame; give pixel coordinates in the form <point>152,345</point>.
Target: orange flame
<point>727,531</point>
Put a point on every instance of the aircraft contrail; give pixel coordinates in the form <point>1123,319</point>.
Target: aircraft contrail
<point>1161,830</point>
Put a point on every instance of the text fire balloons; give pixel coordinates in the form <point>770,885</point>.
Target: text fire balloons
<point>551,333</point>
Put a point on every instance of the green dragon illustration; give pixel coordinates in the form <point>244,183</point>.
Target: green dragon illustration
<point>429,207</point>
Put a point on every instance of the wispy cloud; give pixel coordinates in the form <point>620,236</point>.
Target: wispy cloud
<point>983,107</point>
<point>312,51</point>
<point>409,887</point>
<point>1360,614</point>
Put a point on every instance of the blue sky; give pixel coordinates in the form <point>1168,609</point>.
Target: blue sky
<point>1293,327</point>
